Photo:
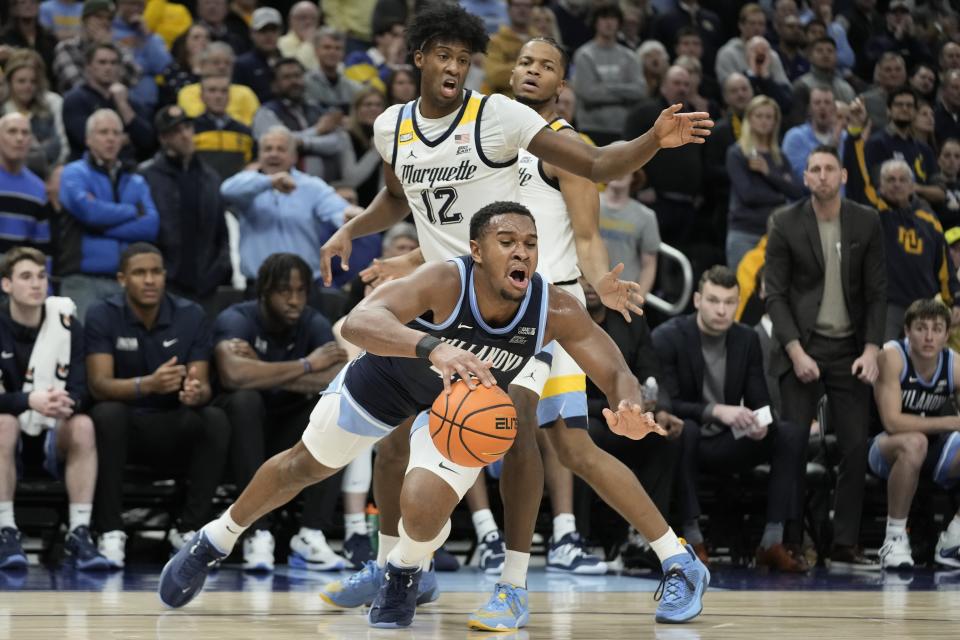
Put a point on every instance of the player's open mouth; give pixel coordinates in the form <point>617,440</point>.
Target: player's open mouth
<point>530,84</point>
<point>449,88</point>
<point>519,278</point>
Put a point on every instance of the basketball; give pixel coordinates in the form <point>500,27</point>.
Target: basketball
<point>473,428</point>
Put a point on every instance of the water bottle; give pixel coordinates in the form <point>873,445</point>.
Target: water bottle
<point>650,391</point>
<point>373,526</point>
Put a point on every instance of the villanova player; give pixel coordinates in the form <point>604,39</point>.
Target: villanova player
<point>492,298</point>
<point>449,152</point>
<point>918,377</point>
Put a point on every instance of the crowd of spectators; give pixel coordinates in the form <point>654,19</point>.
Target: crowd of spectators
<point>157,158</point>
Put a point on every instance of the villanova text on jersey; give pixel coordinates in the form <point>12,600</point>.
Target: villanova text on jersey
<point>392,389</point>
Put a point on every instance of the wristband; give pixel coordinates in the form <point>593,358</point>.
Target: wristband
<point>136,387</point>
<point>307,368</point>
<point>426,345</point>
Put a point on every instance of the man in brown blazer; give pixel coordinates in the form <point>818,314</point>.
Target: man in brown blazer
<point>826,285</point>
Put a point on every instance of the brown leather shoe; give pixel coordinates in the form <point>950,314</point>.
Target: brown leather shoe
<point>701,551</point>
<point>777,557</point>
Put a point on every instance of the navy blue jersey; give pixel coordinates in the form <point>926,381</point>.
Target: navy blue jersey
<point>391,389</point>
<point>921,397</point>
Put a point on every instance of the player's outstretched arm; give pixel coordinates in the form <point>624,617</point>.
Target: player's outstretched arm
<point>887,390</point>
<point>598,356</point>
<point>378,323</point>
<point>672,129</point>
<point>583,204</point>
<point>388,208</point>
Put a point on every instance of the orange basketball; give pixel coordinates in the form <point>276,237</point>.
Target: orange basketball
<point>473,428</point>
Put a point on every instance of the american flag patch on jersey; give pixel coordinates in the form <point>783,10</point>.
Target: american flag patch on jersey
<point>462,138</point>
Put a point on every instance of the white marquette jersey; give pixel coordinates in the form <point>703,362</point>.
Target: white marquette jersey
<point>541,194</point>
<point>453,166</point>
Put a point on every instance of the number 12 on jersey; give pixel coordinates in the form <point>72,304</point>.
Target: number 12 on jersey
<point>438,204</point>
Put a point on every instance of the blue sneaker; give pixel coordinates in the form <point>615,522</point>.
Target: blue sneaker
<point>81,553</point>
<point>184,574</point>
<point>357,549</point>
<point>569,555</point>
<point>491,552</point>
<point>396,601</point>
<point>444,561</point>
<point>361,588</point>
<point>681,589</point>
<point>507,610</point>
<point>11,553</point>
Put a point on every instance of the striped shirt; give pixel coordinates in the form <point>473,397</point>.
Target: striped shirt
<point>23,211</point>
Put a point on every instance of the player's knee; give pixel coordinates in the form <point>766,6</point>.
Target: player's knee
<point>912,449</point>
<point>245,402</point>
<point>82,434</point>
<point>301,468</point>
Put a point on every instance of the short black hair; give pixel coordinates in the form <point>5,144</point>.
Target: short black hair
<point>605,10</point>
<point>687,32</point>
<point>274,273</point>
<point>816,22</point>
<point>136,249</point>
<point>926,309</point>
<point>447,22</point>
<point>564,58</point>
<point>282,62</point>
<point>720,275</point>
<point>481,219</point>
<point>383,26</point>
<point>824,40</point>
<point>92,49</point>
<point>825,148</point>
<point>902,91</point>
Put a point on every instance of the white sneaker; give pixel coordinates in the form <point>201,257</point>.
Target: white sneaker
<point>309,550</point>
<point>948,550</point>
<point>896,553</point>
<point>178,538</point>
<point>258,551</point>
<point>112,546</point>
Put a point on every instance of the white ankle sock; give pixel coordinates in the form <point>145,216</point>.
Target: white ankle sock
<point>385,545</point>
<point>411,553</point>
<point>354,523</point>
<point>667,545</point>
<point>224,532</point>
<point>6,515</point>
<point>514,570</point>
<point>483,523</point>
<point>562,525</point>
<point>953,529</point>
<point>80,515</point>
<point>896,527</point>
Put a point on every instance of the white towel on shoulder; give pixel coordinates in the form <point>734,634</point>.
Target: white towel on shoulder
<point>49,361</point>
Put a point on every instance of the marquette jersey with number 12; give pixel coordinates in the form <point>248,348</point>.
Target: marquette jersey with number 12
<point>449,178</point>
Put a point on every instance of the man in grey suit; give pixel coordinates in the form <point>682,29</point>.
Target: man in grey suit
<point>826,289</point>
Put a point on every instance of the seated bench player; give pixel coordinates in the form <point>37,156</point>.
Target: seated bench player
<point>917,375</point>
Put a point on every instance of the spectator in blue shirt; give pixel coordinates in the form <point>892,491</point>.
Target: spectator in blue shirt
<point>61,17</point>
<point>148,361</point>
<point>106,207</point>
<point>273,356</point>
<point>255,67</point>
<point>148,50</point>
<point>280,207</point>
<point>44,424</point>
<point>821,128</point>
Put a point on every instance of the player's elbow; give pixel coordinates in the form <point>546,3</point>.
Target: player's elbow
<point>352,328</point>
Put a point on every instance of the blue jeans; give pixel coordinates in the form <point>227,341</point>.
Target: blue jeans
<point>739,243</point>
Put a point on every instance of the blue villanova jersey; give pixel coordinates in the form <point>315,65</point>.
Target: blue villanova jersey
<point>924,397</point>
<point>391,389</point>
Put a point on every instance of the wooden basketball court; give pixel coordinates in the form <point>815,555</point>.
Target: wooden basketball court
<point>778,608</point>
